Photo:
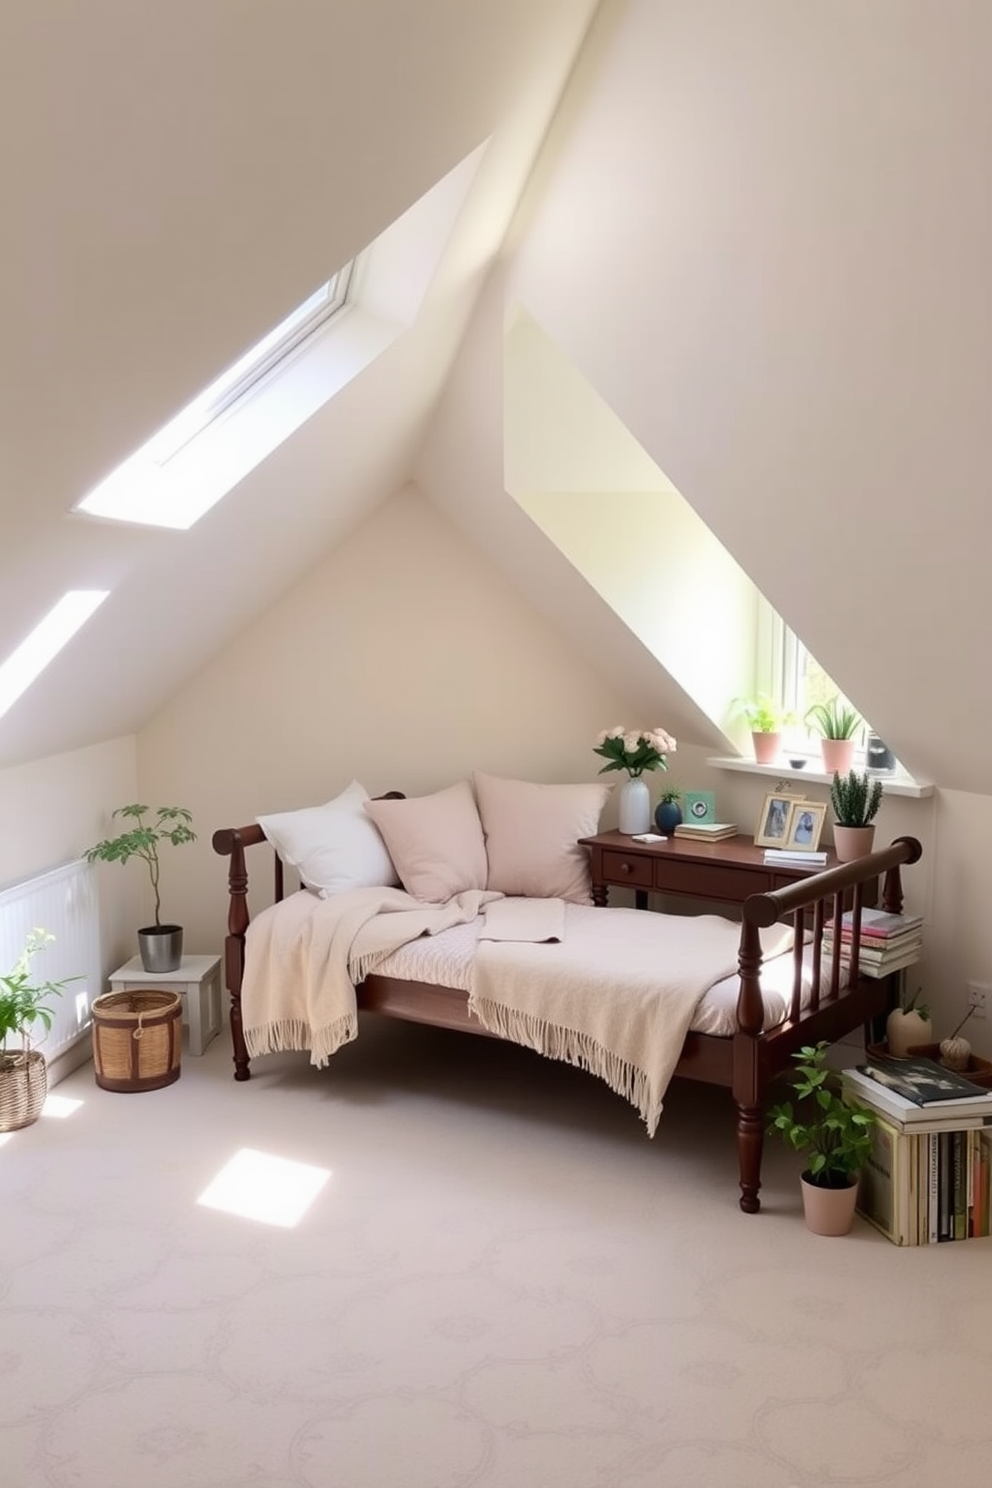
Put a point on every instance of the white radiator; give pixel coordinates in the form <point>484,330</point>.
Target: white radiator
<point>63,902</point>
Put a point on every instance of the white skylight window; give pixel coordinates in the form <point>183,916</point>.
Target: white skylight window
<point>45,642</point>
<point>156,486</point>
<point>241,418</point>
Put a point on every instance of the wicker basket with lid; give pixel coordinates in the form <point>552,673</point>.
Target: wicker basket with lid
<point>137,1039</point>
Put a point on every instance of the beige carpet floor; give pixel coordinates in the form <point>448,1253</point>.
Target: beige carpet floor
<point>502,1282</point>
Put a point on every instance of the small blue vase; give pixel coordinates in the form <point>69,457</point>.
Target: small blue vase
<point>667,815</point>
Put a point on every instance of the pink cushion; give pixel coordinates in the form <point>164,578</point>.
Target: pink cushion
<point>531,836</point>
<point>435,842</point>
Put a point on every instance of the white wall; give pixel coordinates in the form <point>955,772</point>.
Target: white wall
<point>404,659</point>
<point>56,808</point>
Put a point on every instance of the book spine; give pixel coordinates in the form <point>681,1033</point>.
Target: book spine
<point>959,1185</point>
<point>944,1187</point>
<point>933,1175</point>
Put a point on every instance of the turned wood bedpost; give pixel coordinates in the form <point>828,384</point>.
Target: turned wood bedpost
<point>747,1074</point>
<point>231,842</point>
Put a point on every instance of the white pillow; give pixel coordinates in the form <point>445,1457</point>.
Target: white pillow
<point>531,836</point>
<point>435,842</point>
<point>333,847</point>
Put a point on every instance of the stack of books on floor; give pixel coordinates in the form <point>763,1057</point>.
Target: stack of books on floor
<point>927,1179</point>
<point>706,831</point>
<point>888,941</point>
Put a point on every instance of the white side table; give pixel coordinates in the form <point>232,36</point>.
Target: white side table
<point>197,979</point>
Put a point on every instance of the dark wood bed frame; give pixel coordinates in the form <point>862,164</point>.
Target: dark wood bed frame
<point>745,1062</point>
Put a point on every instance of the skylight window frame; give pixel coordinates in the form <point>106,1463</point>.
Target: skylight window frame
<point>228,390</point>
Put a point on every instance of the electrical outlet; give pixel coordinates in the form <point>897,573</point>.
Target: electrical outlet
<point>978,994</point>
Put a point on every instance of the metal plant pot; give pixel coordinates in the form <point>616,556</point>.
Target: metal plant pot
<point>161,948</point>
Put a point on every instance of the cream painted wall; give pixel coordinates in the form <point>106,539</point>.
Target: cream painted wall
<point>405,660</point>
<point>54,809</point>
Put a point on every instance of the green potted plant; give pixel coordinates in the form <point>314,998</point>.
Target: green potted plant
<point>838,725</point>
<point>832,1133</point>
<point>668,812</point>
<point>23,1005</point>
<point>766,720</point>
<point>855,799</point>
<point>161,946</point>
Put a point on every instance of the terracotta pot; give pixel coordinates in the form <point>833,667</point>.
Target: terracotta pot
<point>852,842</point>
<point>838,754</point>
<point>767,748</point>
<point>829,1211</point>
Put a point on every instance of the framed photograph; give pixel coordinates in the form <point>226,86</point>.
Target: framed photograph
<point>773,823</point>
<point>700,806</point>
<point>805,825</point>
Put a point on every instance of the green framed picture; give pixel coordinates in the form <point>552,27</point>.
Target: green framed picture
<point>700,806</point>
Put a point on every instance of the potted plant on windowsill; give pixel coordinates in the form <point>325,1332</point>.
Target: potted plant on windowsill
<point>161,946</point>
<point>23,1004</point>
<point>838,725</point>
<point>833,1134</point>
<point>766,720</point>
<point>855,799</point>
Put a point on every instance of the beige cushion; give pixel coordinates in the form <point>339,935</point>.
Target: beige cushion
<point>434,841</point>
<point>333,847</point>
<point>531,836</point>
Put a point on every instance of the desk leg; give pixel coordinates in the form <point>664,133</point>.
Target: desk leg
<point>600,895</point>
<point>641,898</point>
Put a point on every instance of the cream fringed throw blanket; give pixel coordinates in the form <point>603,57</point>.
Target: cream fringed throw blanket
<point>616,997</point>
<point>304,956</point>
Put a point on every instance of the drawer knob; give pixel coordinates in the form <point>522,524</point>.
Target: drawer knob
<point>624,867</point>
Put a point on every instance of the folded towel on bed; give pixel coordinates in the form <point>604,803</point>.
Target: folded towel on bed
<point>524,919</point>
<point>616,998</point>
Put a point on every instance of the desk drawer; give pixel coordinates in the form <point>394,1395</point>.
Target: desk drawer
<point>618,868</point>
<point>710,880</point>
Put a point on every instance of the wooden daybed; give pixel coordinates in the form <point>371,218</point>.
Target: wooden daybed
<point>745,1062</point>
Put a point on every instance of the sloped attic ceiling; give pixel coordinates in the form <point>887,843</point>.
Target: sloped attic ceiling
<point>183,176</point>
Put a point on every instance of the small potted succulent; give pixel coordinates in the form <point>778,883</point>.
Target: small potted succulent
<point>855,799</point>
<point>668,812</point>
<point>838,725</point>
<point>832,1133</point>
<point>161,946</point>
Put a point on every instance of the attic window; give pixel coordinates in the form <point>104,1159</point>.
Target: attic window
<point>250,369</point>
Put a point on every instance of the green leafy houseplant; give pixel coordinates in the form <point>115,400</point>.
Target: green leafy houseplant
<point>834,719</point>
<point>762,715</point>
<point>832,1133</point>
<point>634,750</point>
<point>23,1002</point>
<point>855,798</point>
<point>170,824</point>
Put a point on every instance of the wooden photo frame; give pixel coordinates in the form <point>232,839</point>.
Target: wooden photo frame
<point>805,825</point>
<point>773,823</point>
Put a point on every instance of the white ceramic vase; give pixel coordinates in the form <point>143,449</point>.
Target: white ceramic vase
<point>634,806</point>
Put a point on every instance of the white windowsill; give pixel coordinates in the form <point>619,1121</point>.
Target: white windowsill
<point>895,785</point>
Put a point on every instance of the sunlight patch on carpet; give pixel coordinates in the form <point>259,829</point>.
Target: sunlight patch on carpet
<point>272,1190</point>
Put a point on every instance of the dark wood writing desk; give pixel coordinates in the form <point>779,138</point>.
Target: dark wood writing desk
<point>727,871</point>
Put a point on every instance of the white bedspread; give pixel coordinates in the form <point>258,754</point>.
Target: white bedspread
<point>616,995</point>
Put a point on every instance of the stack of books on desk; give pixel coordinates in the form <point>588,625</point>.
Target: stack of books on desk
<point>888,941</point>
<point>706,831</point>
<point>927,1178</point>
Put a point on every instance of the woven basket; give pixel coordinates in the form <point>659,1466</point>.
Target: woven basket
<point>137,1039</point>
<point>22,1091</point>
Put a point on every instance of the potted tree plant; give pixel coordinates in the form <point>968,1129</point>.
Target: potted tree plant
<point>838,725</point>
<point>161,946</point>
<point>832,1133</point>
<point>855,799</point>
<point>23,1071</point>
